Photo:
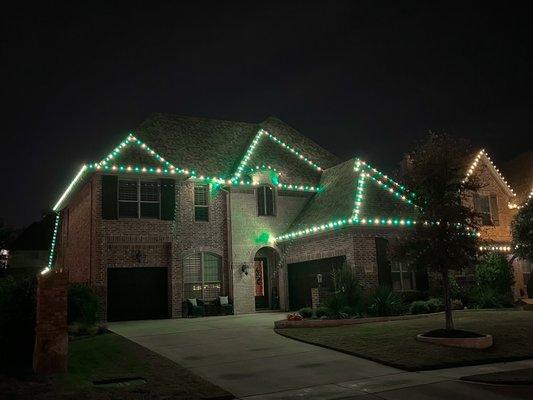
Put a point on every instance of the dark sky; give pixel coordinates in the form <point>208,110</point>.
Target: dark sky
<point>359,78</point>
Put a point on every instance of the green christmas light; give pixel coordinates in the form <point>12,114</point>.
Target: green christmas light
<point>52,246</point>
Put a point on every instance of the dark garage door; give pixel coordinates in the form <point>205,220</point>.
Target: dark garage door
<point>303,277</point>
<point>137,293</point>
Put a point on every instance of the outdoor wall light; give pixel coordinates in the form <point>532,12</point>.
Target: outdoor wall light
<point>245,269</point>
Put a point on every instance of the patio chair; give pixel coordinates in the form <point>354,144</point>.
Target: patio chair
<point>193,308</point>
<point>225,306</point>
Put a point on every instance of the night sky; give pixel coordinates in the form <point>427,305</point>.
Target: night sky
<point>358,78</point>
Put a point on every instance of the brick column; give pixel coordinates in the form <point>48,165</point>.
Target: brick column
<point>50,354</point>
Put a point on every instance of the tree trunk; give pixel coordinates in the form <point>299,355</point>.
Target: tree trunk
<point>447,298</point>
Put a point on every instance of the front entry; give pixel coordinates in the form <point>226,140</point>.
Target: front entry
<point>261,283</point>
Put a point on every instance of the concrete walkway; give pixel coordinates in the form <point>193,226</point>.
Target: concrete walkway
<point>243,355</point>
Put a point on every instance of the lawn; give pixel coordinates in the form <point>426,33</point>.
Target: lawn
<point>109,356</point>
<point>394,342</point>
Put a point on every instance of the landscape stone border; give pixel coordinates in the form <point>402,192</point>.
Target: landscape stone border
<point>328,323</point>
<point>483,342</point>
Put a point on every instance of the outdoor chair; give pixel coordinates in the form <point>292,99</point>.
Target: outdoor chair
<point>225,306</point>
<point>193,308</point>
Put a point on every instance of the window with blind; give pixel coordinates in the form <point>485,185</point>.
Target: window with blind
<point>403,277</point>
<point>487,208</point>
<point>265,201</point>
<point>202,276</point>
<point>201,202</point>
<point>138,198</point>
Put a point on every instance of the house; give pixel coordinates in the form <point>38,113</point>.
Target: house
<point>196,208</point>
<point>31,247</point>
<point>519,171</point>
<point>199,208</point>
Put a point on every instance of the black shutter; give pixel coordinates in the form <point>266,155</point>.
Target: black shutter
<point>422,280</point>
<point>494,213</point>
<point>384,273</point>
<point>269,200</point>
<point>261,200</point>
<point>168,199</point>
<point>109,196</point>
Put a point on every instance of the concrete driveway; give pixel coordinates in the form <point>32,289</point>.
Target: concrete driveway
<point>243,355</point>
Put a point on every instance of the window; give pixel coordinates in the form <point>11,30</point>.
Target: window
<point>202,276</point>
<point>403,278</point>
<point>487,207</point>
<point>201,205</point>
<point>138,198</point>
<point>265,200</point>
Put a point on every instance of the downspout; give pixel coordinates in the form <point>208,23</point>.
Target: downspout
<point>91,238</point>
<point>230,248</point>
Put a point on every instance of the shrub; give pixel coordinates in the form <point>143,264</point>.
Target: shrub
<point>495,272</point>
<point>334,305</point>
<point>435,305</point>
<point>419,307</point>
<point>306,312</point>
<point>82,305</point>
<point>346,284</point>
<point>494,279</point>
<point>17,321</point>
<point>415,295</point>
<point>321,312</point>
<point>384,302</point>
<point>487,297</point>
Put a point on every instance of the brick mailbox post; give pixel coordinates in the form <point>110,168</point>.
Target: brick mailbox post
<point>50,354</point>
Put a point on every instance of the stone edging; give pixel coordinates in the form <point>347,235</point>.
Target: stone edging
<point>483,342</point>
<point>327,323</point>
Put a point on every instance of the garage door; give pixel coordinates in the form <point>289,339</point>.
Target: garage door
<point>137,293</point>
<point>303,277</point>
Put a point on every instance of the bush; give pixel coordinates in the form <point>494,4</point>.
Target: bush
<point>419,307</point>
<point>435,305</point>
<point>334,305</point>
<point>487,297</point>
<point>82,305</point>
<point>494,280</point>
<point>497,273</point>
<point>321,312</point>
<point>384,302</point>
<point>346,284</point>
<point>17,321</point>
<point>306,312</point>
<point>415,295</point>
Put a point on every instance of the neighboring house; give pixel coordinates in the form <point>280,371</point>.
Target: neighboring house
<point>30,249</point>
<point>519,171</point>
<point>497,205</point>
<point>197,208</point>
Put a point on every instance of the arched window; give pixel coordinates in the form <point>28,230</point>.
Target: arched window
<point>202,274</point>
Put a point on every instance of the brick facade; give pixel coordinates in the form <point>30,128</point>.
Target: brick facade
<point>89,244</point>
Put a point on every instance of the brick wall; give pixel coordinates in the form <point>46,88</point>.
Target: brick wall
<point>251,232</point>
<point>491,186</point>
<point>88,244</point>
<point>50,354</point>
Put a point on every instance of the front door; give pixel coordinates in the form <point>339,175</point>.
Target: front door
<point>261,283</point>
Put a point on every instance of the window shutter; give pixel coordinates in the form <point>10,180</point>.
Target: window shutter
<point>109,196</point>
<point>422,280</point>
<point>384,272</point>
<point>269,200</point>
<point>494,212</point>
<point>261,200</point>
<point>168,199</point>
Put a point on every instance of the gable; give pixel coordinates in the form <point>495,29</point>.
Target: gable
<point>354,194</point>
<point>483,160</point>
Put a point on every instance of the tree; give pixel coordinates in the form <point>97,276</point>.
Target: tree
<point>522,232</point>
<point>444,237</point>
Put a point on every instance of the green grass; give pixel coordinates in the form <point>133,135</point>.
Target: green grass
<point>394,342</point>
<point>109,356</point>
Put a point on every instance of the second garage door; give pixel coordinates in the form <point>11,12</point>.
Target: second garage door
<point>137,293</point>
<point>303,277</point>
